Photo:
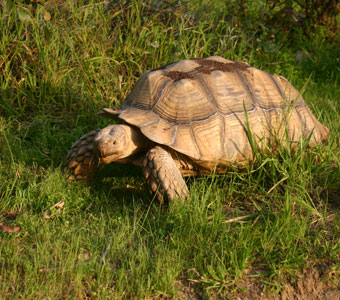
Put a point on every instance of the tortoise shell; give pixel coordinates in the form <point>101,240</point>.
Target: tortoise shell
<point>204,108</point>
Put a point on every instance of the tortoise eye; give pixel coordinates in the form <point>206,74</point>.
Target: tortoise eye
<point>114,143</point>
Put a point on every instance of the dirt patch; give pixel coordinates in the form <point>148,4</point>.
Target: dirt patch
<point>206,66</point>
<point>176,75</point>
<point>312,284</point>
<point>186,291</point>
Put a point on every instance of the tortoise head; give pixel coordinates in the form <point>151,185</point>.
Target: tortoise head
<point>116,142</point>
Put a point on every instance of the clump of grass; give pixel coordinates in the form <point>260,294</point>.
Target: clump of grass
<point>60,63</point>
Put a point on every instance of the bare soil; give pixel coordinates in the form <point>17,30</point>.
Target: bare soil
<point>206,66</point>
<point>312,284</point>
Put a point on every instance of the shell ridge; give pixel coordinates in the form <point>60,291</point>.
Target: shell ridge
<point>243,154</point>
<point>174,136</point>
<point>247,87</point>
<point>238,149</point>
<point>149,123</point>
<point>301,119</point>
<point>205,119</point>
<point>208,92</point>
<point>316,123</point>
<point>223,134</point>
<point>195,142</point>
<point>241,123</point>
<point>163,91</point>
<point>276,84</point>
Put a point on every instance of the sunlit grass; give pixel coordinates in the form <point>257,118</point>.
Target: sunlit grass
<point>60,63</point>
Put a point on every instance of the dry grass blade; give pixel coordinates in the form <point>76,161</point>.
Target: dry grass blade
<point>241,218</point>
<point>51,213</point>
<point>276,184</point>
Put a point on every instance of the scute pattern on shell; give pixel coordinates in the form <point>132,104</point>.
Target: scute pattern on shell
<point>197,107</point>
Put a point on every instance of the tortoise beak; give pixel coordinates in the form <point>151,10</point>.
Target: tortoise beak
<point>105,150</point>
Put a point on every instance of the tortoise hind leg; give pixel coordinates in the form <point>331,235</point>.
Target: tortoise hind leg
<point>82,161</point>
<point>163,176</point>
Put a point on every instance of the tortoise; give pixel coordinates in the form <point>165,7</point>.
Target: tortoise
<point>193,117</point>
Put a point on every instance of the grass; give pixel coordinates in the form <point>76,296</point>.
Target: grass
<point>60,63</point>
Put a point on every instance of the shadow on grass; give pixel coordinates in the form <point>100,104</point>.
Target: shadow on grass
<point>34,142</point>
<point>118,188</point>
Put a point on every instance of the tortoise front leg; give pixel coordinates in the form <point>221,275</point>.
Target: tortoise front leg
<point>82,161</point>
<point>163,176</point>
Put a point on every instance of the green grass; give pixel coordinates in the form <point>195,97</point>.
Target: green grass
<point>60,63</point>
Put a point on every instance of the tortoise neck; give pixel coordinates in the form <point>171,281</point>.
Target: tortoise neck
<point>138,142</point>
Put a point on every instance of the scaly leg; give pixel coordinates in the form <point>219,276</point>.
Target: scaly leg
<point>82,161</point>
<point>163,176</point>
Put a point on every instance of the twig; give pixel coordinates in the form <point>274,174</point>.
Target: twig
<point>241,218</point>
<point>276,184</point>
